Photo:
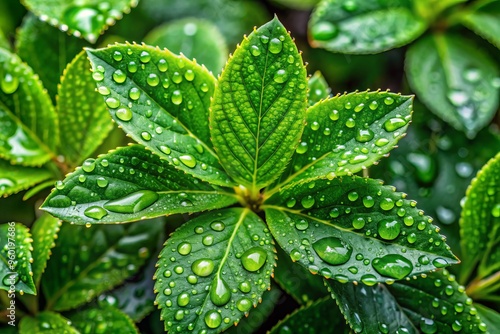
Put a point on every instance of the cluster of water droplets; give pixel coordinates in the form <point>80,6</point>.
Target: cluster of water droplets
<point>325,30</point>
<point>21,262</point>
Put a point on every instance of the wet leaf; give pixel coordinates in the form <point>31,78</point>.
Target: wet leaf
<point>484,19</point>
<point>257,112</point>
<point>100,258</point>
<point>87,18</point>
<point>456,80</point>
<point>213,271</point>
<point>44,233</point>
<point>355,229</point>
<point>318,88</point>
<point>46,322</point>
<point>347,133</point>
<point>104,319</point>
<point>14,178</point>
<point>360,27</point>
<point>129,184</point>
<point>480,222</point>
<point>195,38</point>
<point>490,317</point>
<point>161,100</point>
<point>82,115</point>
<point>16,258</point>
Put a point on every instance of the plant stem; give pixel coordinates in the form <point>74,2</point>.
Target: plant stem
<point>477,288</point>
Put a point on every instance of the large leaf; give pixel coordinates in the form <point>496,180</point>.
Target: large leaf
<point>213,270</point>
<point>435,304</point>
<point>128,184</point>
<point>87,18</point>
<point>47,50</point>
<point>480,222</point>
<point>484,19</point>
<point>259,106</point>
<point>16,259</point>
<point>195,38</point>
<point>44,233</point>
<point>455,80</point>
<point>347,133</point>
<point>14,178</point>
<point>355,229</point>
<point>360,27</point>
<point>161,100</point>
<point>106,319</point>
<point>97,260</point>
<point>82,115</point>
<point>46,322</point>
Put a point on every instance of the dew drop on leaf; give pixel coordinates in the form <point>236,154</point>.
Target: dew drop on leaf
<point>244,287</point>
<point>184,248</point>
<point>176,97</point>
<point>388,101</point>
<point>253,259</point>
<point>244,305</point>
<point>364,135</point>
<point>368,201</point>
<point>275,46</point>
<point>117,56</point>
<point>307,201</point>
<point>334,115</point>
<point>183,299</point>
<point>119,77</point>
<point>132,67</point>
<point>392,124</point>
<point>324,31</point>
<point>86,20</point>
<point>95,212</point>
<point>302,148</point>
<point>162,65</point>
<point>393,265</point>
<point>134,93</point>
<point>124,114</point>
<point>389,229</point>
<point>146,135</point>
<point>189,75</point>
<point>88,165</point>
<point>133,202</point>
<point>213,319</point>
<point>280,76</point>
<point>386,204</point>
<point>202,267</point>
<point>152,80</point>
<point>369,279</point>
<point>144,57</point>
<point>439,262</point>
<point>220,293</point>
<point>332,250</point>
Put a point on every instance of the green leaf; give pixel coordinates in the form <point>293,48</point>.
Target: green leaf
<point>484,20</point>
<point>16,259</point>
<point>297,281</point>
<point>195,38</point>
<point>48,323</point>
<point>129,184</point>
<point>99,259</point>
<point>319,317</point>
<point>213,270</point>
<point>480,222</point>
<point>47,50</point>
<point>4,43</point>
<point>364,26</point>
<point>297,4</point>
<point>355,229</point>
<point>87,18</point>
<point>15,178</point>
<point>44,232</point>
<point>318,88</point>
<point>347,133</point>
<point>490,317</point>
<point>104,319</point>
<point>161,100</point>
<point>82,114</point>
<point>259,105</point>
<point>431,9</point>
<point>455,80</point>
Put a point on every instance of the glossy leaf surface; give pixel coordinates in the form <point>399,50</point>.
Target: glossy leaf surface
<point>161,100</point>
<point>195,38</point>
<point>106,319</point>
<point>455,80</point>
<point>484,20</point>
<point>480,222</point>
<point>14,178</point>
<point>347,133</point>
<point>355,229</point>
<point>87,18</point>
<point>46,322</point>
<point>213,271</point>
<point>490,317</point>
<point>44,233</point>
<point>128,184</point>
<point>318,88</point>
<point>259,106</point>
<point>99,259</point>
<point>82,115</point>
<point>16,258</point>
<point>360,27</point>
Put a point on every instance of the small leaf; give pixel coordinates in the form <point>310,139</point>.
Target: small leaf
<point>456,80</point>
<point>15,178</point>
<point>490,317</point>
<point>98,260</point>
<point>195,38</point>
<point>47,50</point>
<point>360,27</point>
<point>44,233</point>
<point>257,112</point>
<point>86,18</point>
<point>484,20</point>
<point>161,100</point>
<point>480,222</point>
<point>16,259</point>
<point>355,229</point>
<point>318,88</point>
<point>129,184</point>
<point>319,317</point>
<point>81,112</point>
<point>104,319</point>
<point>347,133</point>
<point>46,322</point>
<point>213,270</point>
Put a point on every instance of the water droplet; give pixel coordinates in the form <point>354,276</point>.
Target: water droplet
<point>188,160</point>
<point>358,223</point>
<point>307,201</point>
<point>369,279</point>
<point>177,77</point>
<point>203,267</point>
<point>389,229</point>
<point>132,67</point>
<point>184,248</point>
<point>359,107</point>
<point>291,203</point>
<point>302,225</point>
<point>464,169</point>
<point>381,142</point>
<point>364,135</point>
<point>176,97</point>
<point>324,31</point>
<point>334,213</point>
<point>165,149</point>
<point>153,80</point>
<point>439,262</point>
<point>102,182</point>
<point>133,202</point>
<point>220,293</point>
<point>117,56</point>
<point>302,148</point>
<point>495,212</point>
<point>253,259</point>
<point>103,90</point>
<point>275,46</point>
<point>352,196</point>
<point>87,20</point>
<point>144,57</point>
<point>368,201</point>
<point>388,100</point>
<point>458,98</point>
<point>254,49</point>
<point>373,105</point>
<point>393,265</point>
<point>146,136</point>
<point>97,76</point>
<point>428,326</point>
<point>333,250</point>
<point>245,287</point>
<point>392,124</point>
<point>350,123</point>
<point>183,299</point>
<point>280,76</point>
<point>334,115</point>
<point>162,65</point>
<point>213,319</point>
<point>208,240</point>
<point>386,204</point>
<point>119,77</point>
<point>189,75</point>
<point>124,114</point>
<point>88,165</point>
<point>244,304</point>
<point>456,326</point>
<point>204,87</point>
<point>134,93</point>
<point>95,212</point>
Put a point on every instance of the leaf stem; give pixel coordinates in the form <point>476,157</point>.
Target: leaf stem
<point>478,289</point>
